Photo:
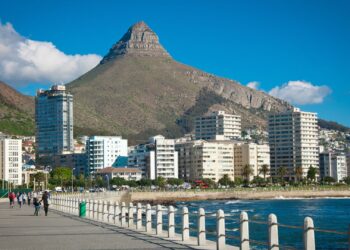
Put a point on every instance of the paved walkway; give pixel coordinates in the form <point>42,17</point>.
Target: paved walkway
<point>19,229</point>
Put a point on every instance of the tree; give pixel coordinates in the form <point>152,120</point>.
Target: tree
<point>39,177</point>
<point>298,171</point>
<point>247,171</point>
<point>209,182</point>
<point>118,181</point>
<point>226,181</point>
<point>175,182</point>
<point>61,176</point>
<point>160,182</point>
<point>145,182</point>
<point>258,180</point>
<point>311,173</point>
<point>328,179</point>
<point>282,171</point>
<point>347,180</point>
<point>265,169</point>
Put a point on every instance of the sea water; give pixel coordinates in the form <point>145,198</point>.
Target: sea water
<point>330,214</point>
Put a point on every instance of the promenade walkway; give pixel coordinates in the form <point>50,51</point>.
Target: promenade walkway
<point>19,229</point>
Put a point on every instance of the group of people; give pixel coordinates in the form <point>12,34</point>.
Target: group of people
<point>23,198</point>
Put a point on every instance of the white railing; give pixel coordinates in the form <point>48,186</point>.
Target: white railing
<point>122,215</point>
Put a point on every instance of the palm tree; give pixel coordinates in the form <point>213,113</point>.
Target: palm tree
<point>282,171</point>
<point>298,171</point>
<point>264,170</point>
<point>247,171</point>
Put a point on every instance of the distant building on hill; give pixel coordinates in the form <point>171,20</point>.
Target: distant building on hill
<point>103,151</point>
<point>157,158</point>
<point>218,125</point>
<point>11,161</point>
<point>54,121</point>
<point>293,140</point>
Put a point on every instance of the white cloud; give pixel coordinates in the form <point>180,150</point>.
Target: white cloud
<point>300,92</point>
<point>253,85</point>
<point>24,60</point>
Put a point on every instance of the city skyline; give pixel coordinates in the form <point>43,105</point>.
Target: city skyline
<point>281,48</point>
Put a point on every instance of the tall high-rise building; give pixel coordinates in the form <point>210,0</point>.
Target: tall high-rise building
<point>54,121</point>
<point>11,161</point>
<point>293,139</point>
<point>103,151</point>
<point>157,158</point>
<point>218,125</point>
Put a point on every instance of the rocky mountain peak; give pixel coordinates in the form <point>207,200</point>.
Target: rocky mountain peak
<point>139,40</point>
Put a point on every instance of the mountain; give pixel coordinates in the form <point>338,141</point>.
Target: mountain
<point>16,112</point>
<point>139,90</point>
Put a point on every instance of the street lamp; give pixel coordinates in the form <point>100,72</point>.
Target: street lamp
<point>107,177</point>
<point>72,179</point>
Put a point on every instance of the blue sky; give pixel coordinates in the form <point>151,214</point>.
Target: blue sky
<point>298,48</point>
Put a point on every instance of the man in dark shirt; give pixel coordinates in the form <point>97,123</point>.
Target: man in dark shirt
<point>45,200</point>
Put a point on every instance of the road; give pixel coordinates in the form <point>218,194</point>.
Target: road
<point>19,229</point>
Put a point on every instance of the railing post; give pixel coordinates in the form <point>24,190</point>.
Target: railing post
<point>148,218</point>
<point>99,210</point>
<point>171,222</point>
<point>273,233</point>
<point>201,227</point>
<point>220,230</point>
<point>139,216</point>
<point>94,209</point>
<point>131,215</point>
<point>116,213</point>
<point>244,230</point>
<point>185,224</point>
<point>309,234</point>
<point>159,228</point>
<point>123,221</point>
<point>90,209</point>
<point>103,211</point>
<point>109,211</point>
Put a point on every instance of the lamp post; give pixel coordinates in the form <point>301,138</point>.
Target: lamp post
<point>72,179</point>
<point>107,177</point>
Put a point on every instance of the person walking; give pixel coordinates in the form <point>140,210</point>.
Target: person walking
<point>29,195</point>
<point>45,199</point>
<point>24,198</point>
<point>36,204</point>
<point>12,198</point>
<point>20,199</point>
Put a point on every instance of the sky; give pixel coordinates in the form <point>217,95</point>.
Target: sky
<point>295,50</point>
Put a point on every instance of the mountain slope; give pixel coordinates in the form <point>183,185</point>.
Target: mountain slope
<point>16,112</point>
<point>138,90</point>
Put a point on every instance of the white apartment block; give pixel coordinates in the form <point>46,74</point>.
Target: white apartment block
<point>11,161</point>
<point>205,159</point>
<point>293,140</point>
<point>253,155</point>
<point>218,125</point>
<point>156,158</point>
<point>333,165</point>
<point>102,151</point>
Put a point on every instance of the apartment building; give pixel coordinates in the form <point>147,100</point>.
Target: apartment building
<point>253,155</point>
<point>205,159</point>
<point>218,125</point>
<point>130,174</point>
<point>103,151</point>
<point>155,158</point>
<point>11,161</point>
<point>54,121</point>
<point>333,165</point>
<point>293,140</point>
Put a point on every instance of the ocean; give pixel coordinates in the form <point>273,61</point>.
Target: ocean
<point>330,214</point>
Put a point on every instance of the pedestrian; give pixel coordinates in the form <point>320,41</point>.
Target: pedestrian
<point>46,200</point>
<point>36,204</point>
<point>17,195</point>
<point>24,198</point>
<point>29,195</point>
<point>12,197</point>
<point>20,199</point>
